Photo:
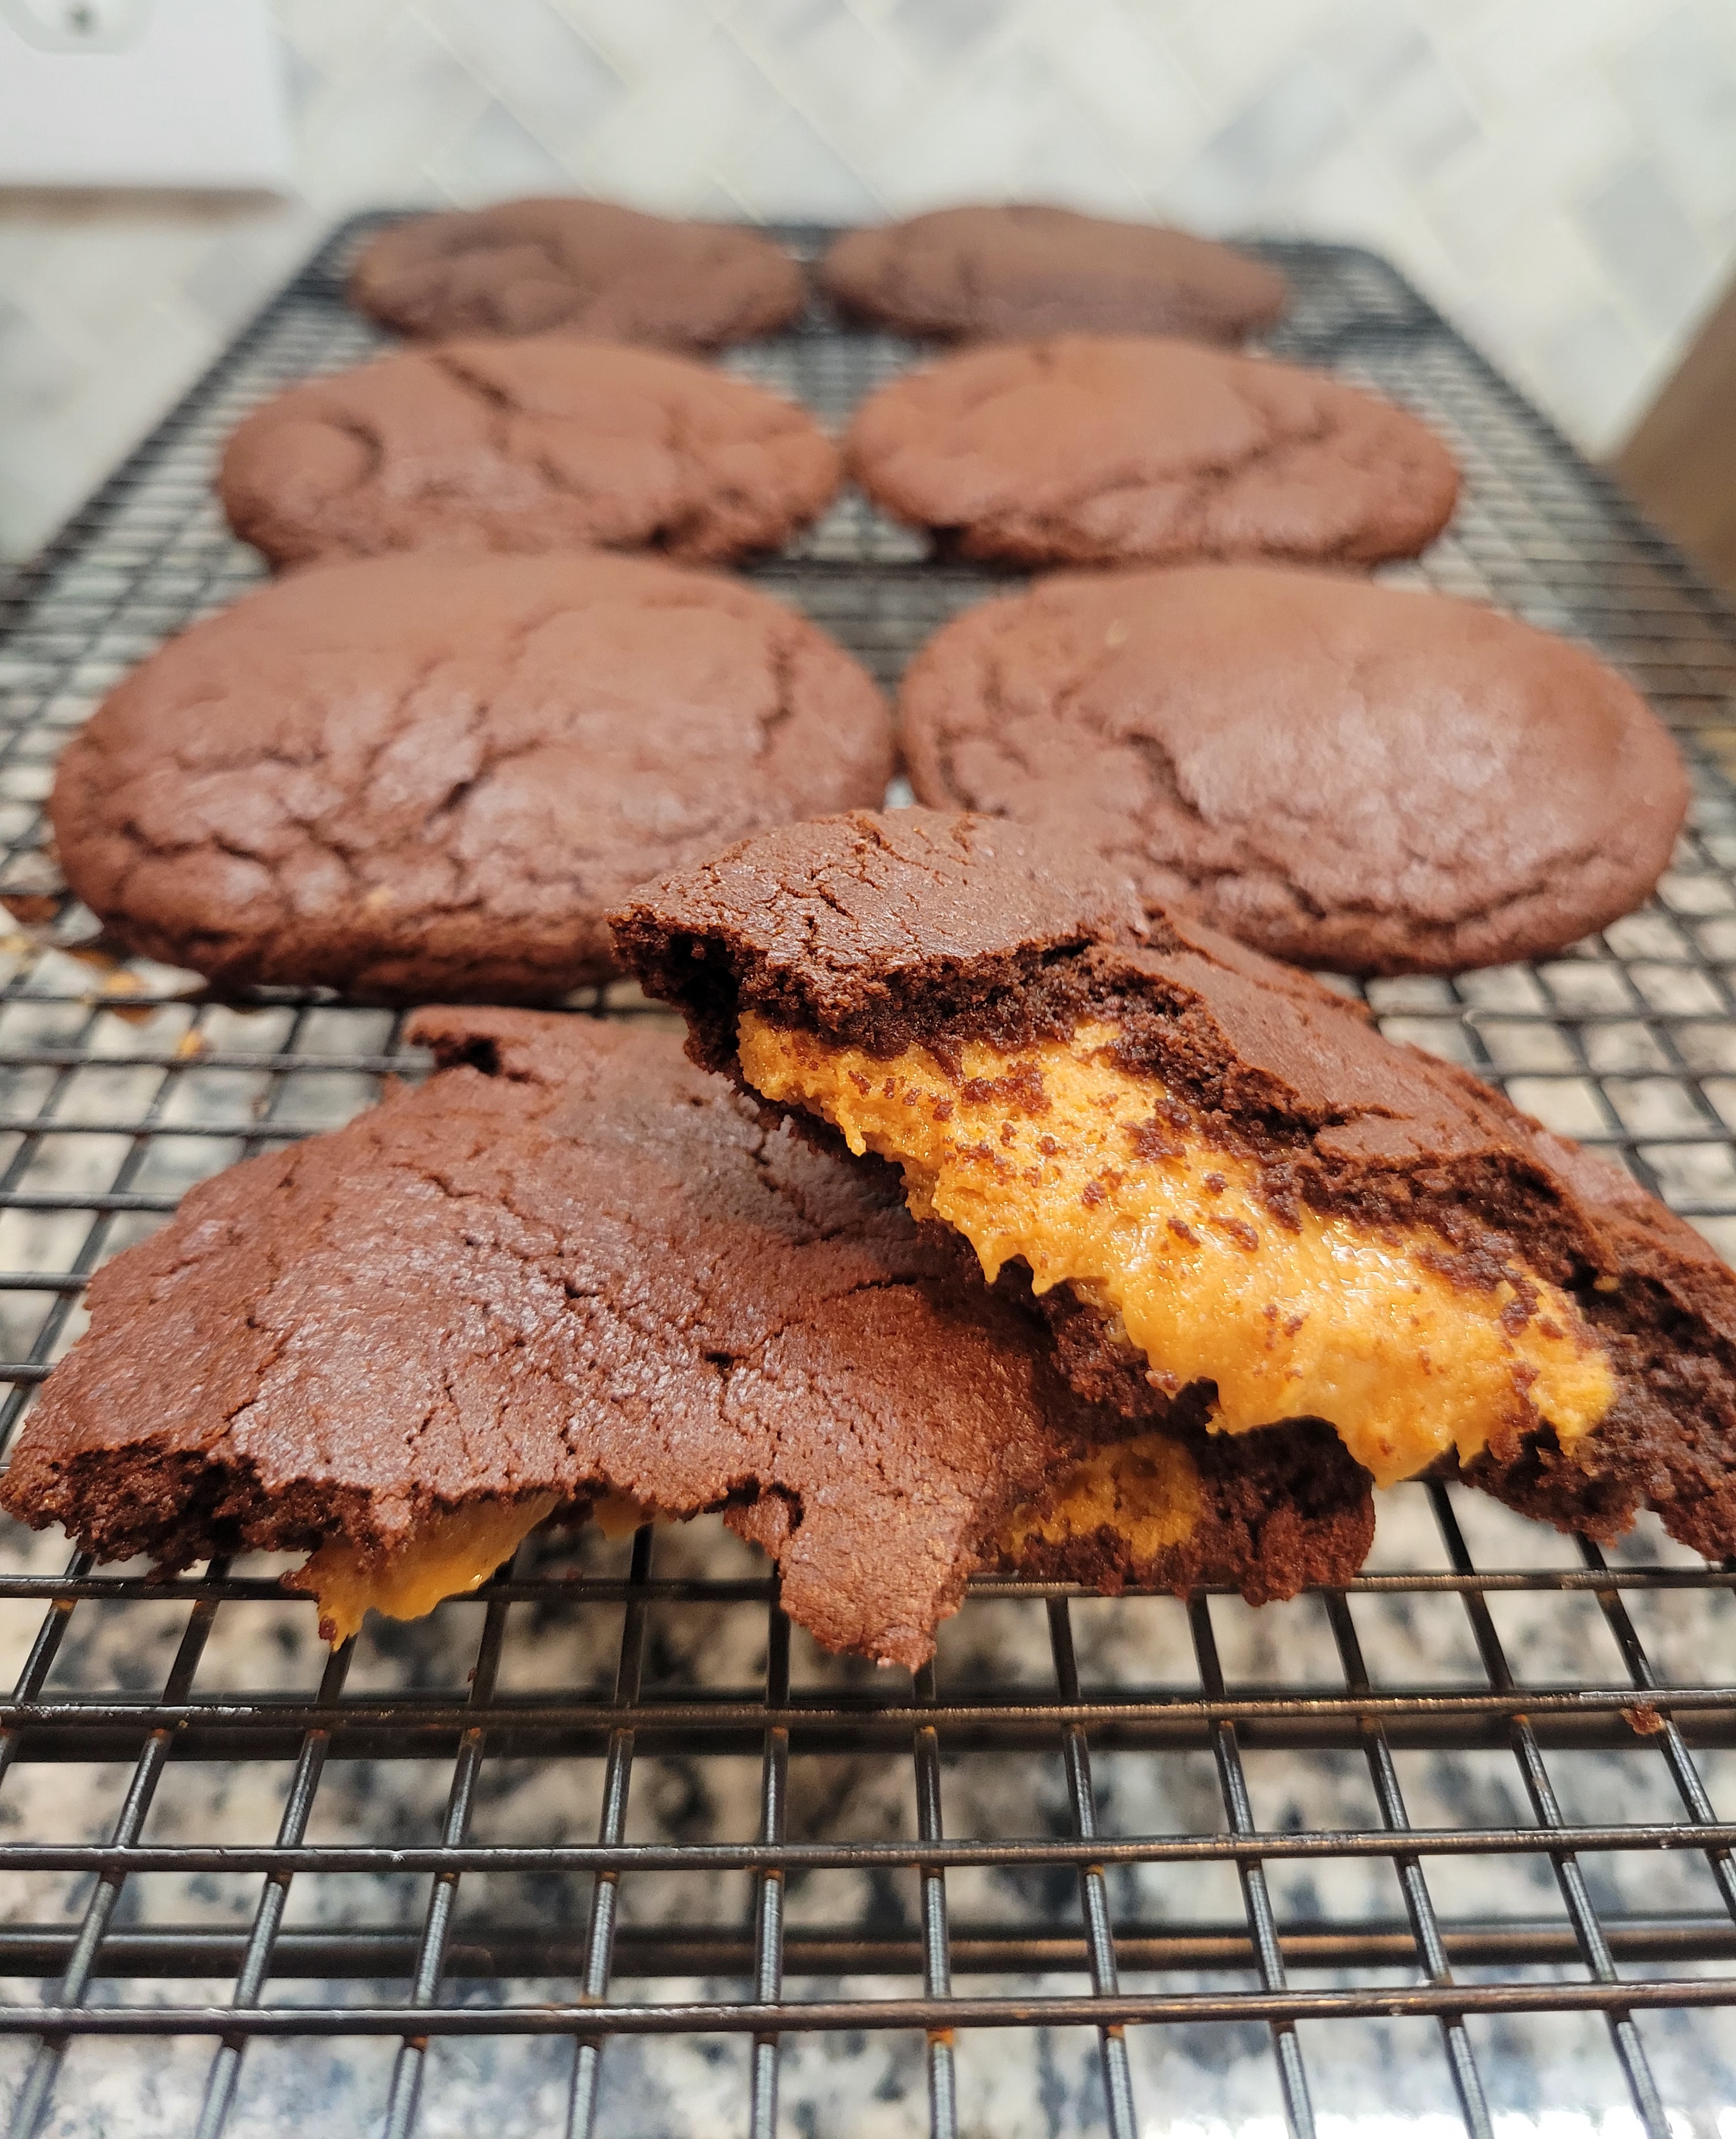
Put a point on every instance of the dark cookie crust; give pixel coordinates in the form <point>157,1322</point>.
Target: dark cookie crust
<point>823,926</point>
<point>1339,774</point>
<point>545,443</point>
<point>424,776</point>
<point>1285,1506</point>
<point>578,266</point>
<point>1135,450</point>
<point>572,1264</point>
<point>989,272</point>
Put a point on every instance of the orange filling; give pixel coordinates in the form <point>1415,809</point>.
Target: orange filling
<point>1055,1156</point>
<point>1146,1490</point>
<point>448,1556</point>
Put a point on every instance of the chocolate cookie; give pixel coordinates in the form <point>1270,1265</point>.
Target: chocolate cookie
<point>545,443</point>
<point>580,267</point>
<point>988,272</point>
<point>1135,450</point>
<point>1339,774</point>
<point>1216,1170</point>
<point>572,1273</point>
<point>423,775</point>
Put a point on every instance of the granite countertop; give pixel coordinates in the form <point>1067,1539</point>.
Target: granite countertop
<point>1552,2074</point>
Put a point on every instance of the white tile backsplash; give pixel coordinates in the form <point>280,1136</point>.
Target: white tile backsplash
<point>638,35</point>
<point>1422,118</point>
<point>1252,169</point>
<point>1145,106</point>
<point>1678,81</point>
<point>1647,242</point>
<point>793,172</point>
<point>496,157</point>
<point>1588,357</point>
<point>1560,175</point>
<point>852,83</point>
<point>538,65</point>
<point>672,140</point>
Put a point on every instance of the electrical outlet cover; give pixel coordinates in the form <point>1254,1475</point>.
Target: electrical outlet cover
<point>77,26</point>
<point>141,93</point>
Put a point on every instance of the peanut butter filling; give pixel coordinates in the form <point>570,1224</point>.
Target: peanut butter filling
<point>1147,1490</point>
<point>1054,1155</point>
<point>448,1556</point>
<point>618,1514</point>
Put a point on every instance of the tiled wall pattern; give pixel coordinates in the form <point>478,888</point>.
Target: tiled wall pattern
<point>1559,174</point>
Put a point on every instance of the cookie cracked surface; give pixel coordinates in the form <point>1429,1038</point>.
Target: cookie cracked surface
<point>988,272</point>
<point>966,945</point>
<point>420,776</point>
<point>574,1271</point>
<point>581,266</point>
<point>1101,450</point>
<point>539,444</point>
<point>1342,775</point>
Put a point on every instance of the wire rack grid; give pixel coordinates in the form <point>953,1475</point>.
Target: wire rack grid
<point>609,1846</point>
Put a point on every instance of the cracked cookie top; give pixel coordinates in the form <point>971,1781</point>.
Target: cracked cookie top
<point>1342,775</point>
<point>578,267</point>
<point>988,272</point>
<point>545,444</point>
<point>419,776</point>
<point>1092,450</point>
<point>572,1269</point>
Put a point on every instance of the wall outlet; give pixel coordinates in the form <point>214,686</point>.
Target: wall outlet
<point>77,26</point>
<point>141,93</point>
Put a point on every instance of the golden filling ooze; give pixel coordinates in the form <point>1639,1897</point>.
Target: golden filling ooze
<point>1145,1490</point>
<point>1055,1156</point>
<point>448,1556</point>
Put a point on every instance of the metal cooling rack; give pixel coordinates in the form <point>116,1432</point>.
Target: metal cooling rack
<point>611,1846</point>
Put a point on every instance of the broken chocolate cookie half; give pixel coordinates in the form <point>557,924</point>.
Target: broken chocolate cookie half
<point>1224,1183</point>
<point>573,1274</point>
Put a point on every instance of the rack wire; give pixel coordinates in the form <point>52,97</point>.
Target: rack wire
<point>610,1847</point>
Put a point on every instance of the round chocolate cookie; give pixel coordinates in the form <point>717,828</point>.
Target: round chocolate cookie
<point>582,266</point>
<point>545,443</point>
<point>988,273</point>
<point>1135,449</point>
<point>421,776</point>
<point>1343,775</point>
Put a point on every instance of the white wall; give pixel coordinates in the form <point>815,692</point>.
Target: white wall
<point>1559,174</point>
